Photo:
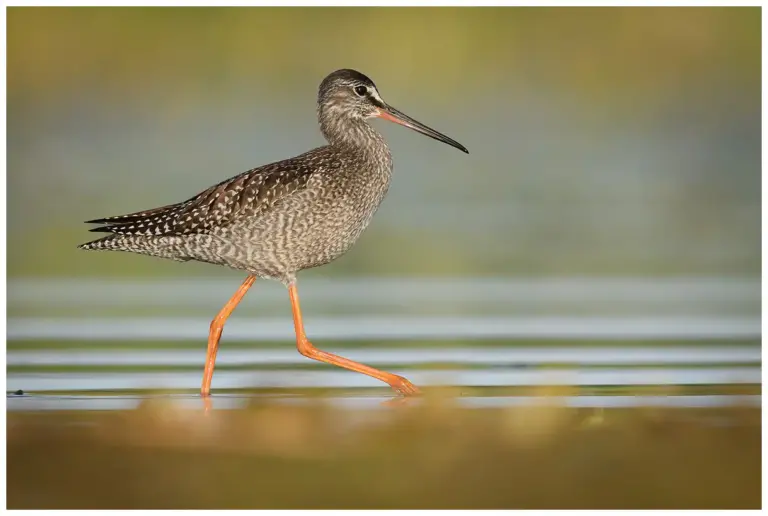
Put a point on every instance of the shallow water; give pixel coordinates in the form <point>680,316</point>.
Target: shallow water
<point>496,356</point>
<point>117,336</point>
<point>390,327</point>
<point>297,378</point>
<point>238,401</point>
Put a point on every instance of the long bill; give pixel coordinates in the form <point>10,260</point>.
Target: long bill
<point>387,112</point>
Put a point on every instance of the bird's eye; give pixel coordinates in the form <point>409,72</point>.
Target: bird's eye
<point>361,90</point>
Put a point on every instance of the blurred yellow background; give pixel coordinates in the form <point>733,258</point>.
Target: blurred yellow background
<point>603,140</point>
<point>602,236</point>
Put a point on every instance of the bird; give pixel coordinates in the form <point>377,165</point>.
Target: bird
<point>278,219</point>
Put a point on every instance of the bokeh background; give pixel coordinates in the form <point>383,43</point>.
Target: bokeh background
<point>611,193</point>
<point>599,248</point>
<point>612,141</point>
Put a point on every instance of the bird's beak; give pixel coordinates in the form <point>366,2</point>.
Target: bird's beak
<point>387,112</point>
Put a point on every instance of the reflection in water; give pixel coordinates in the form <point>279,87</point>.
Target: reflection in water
<point>337,378</point>
<point>357,402</point>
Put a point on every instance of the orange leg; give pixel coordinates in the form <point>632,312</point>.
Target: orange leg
<point>217,326</point>
<point>398,383</point>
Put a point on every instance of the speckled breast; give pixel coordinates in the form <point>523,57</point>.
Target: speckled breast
<point>314,226</point>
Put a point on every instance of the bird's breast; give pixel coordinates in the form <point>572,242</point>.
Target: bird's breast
<point>355,200</point>
<point>319,224</point>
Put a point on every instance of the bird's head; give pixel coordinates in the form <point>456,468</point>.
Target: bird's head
<point>348,94</point>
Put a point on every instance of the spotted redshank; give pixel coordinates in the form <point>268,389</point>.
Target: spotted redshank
<point>278,219</point>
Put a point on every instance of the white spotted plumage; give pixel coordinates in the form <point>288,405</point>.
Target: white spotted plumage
<point>278,219</point>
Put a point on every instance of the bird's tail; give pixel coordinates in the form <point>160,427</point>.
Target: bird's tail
<point>107,243</point>
<point>150,246</point>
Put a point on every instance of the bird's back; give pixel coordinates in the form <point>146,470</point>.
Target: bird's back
<point>291,214</point>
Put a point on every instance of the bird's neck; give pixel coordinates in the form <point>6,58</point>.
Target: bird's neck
<point>354,133</point>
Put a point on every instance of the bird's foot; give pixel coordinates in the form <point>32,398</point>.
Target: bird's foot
<point>404,387</point>
<point>207,402</point>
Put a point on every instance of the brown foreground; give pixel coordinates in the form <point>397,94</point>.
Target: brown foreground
<point>430,456</point>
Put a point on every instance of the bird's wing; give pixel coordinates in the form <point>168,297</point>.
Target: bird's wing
<point>245,195</point>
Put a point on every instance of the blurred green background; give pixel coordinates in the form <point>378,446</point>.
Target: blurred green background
<point>612,141</point>
<point>606,219</point>
<point>612,183</point>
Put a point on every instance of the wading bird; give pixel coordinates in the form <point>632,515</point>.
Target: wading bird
<point>276,220</point>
